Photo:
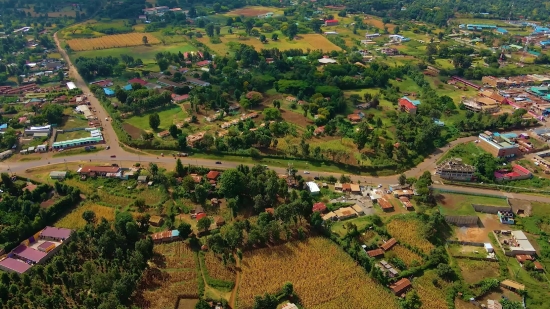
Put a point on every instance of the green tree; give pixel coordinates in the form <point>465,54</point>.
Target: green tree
<point>288,289</point>
<point>292,31</point>
<point>271,113</point>
<point>53,113</point>
<point>445,272</point>
<point>182,142</point>
<point>144,40</point>
<point>154,121</point>
<point>209,29</point>
<point>89,216</point>
<point>274,36</point>
<point>204,223</point>
<point>200,194</point>
<point>263,39</point>
<point>174,131</point>
<point>180,170</point>
<point>232,183</point>
<point>411,301</point>
<point>402,179</point>
<point>184,229</point>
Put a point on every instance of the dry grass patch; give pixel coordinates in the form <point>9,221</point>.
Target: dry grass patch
<point>172,272</point>
<point>216,269</point>
<point>473,271</point>
<point>323,276</point>
<point>74,219</point>
<point>432,297</point>
<point>409,231</point>
<point>111,41</point>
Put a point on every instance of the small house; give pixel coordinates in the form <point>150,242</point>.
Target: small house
<point>320,207</point>
<point>163,134</point>
<point>358,209</point>
<point>142,179</point>
<point>58,175</point>
<point>375,253</point>
<point>156,221</point>
<point>385,204</point>
<point>401,286</point>
<point>213,175</point>
<point>389,244</point>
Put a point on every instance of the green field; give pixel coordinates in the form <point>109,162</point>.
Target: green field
<point>72,135</point>
<point>461,205</point>
<point>145,53</point>
<point>467,152</point>
<point>168,116</point>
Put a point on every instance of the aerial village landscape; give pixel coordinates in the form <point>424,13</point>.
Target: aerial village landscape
<point>274,154</point>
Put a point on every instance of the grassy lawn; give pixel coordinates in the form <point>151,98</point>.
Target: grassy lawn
<point>360,222</point>
<point>74,152</point>
<point>461,205</point>
<point>168,116</point>
<point>72,135</point>
<point>467,152</point>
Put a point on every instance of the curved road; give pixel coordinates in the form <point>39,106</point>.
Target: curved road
<point>109,134</point>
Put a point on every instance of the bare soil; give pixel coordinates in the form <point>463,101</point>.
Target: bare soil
<point>133,131</point>
<point>481,234</point>
<point>250,11</point>
<point>296,118</point>
<point>187,303</point>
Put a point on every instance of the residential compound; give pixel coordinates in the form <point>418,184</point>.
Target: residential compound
<point>36,250</point>
<point>455,169</point>
<point>407,105</point>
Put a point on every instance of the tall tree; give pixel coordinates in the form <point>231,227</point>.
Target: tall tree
<point>154,121</point>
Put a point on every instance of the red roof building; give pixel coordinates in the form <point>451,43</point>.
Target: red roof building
<point>389,244</point>
<point>538,266</point>
<point>407,106</point>
<point>375,253</point>
<point>137,81</point>
<point>354,118</point>
<point>270,211</point>
<point>180,98</point>
<point>406,202</point>
<point>385,204</point>
<point>331,22</point>
<point>401,286</point>
<point>200,216</point>
<point>518,173</point>
<point>522,258</point>
<point>320,207</point>
<point>203,63</point>
<point>213,175</point>
<point>319,131</point>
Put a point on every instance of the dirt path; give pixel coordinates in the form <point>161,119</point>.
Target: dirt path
<point>233,298</point>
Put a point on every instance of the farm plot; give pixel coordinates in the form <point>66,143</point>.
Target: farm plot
<point>409,230</point>
<point>473,270</point>
<point>172,273</point>
<point>216,269</point>
<point>406,255</point>
<point>323,276</point>
<point>74,219</point>
<point>432,297</point>
<point>111,41</point>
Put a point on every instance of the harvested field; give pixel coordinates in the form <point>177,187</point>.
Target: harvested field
<point>133,131</point>
<point>172,272</point>
<point>295,118</point>
<point>74,219</point>
<point>473,271</point>
<point>375,22</point>
<point>323,276</point>
<point>216,269</point>
<point>111,41</point>
<point>187,303</point>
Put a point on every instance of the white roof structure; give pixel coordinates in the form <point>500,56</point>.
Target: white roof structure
<point>327,60</point>
<point>488,247</point>
<point>523,243</point>
<point>71,85</point>
<point>313,187</point>
<point>41,128</point>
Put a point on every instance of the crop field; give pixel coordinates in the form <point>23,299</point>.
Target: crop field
<point>409,230</point>
<point>172,272</point>
<point>323,276</point>
<point>84,187</point>
<point>461,205</point>
<point>74,219</point>
<point>432,297</point>
<point>473,270</point>
<point>114,200</point>
<point>111,41</point>
<point>217,270</point>
<point>406,255</point>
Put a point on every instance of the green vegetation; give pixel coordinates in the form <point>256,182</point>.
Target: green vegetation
<point>170,115</point>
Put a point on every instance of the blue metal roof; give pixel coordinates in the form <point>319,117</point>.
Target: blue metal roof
<point>127,87</point>
<point>108,91</point>
<point>175,233</point>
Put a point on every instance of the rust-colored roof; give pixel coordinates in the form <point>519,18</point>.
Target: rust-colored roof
<point>385,204</point>
<point>400,286</point>
<point>523,257</point>
<point>162,235</point>
<point>270,210</point>
<point>538,265</point>
<point>99,169</point>
<point>346,187</point>
<point>31,187</point>
<point>375,252</point>
<point>388,244</point>
<point>213,175</point>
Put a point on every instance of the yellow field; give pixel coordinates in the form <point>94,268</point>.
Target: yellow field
<point>406,255</point>
<point>111,41</point>
<point>171,273</point>
<point>74,219</point>
<point>217,270</point>
<point>323,276</point>
<point>432,297</point>
<point>409,231</point>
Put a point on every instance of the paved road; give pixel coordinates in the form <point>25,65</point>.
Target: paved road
<point>108,131</point>
<point>126,159</point>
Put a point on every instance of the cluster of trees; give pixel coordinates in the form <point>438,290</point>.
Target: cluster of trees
<point>20,211</point>
<point>90,68</point>
<point>139,99</point>
<point>99,268</point>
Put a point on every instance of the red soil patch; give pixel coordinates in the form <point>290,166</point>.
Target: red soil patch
<point>295,118</point>
<point>481,234</point>
<point>133,131</point>
<point>373,21</point>
<point>250,11</point>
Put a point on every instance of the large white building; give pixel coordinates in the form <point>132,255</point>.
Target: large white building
<point>313,188</point>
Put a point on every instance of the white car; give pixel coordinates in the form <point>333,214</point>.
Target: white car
<point>306,172</point>
<point>380,186</point>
